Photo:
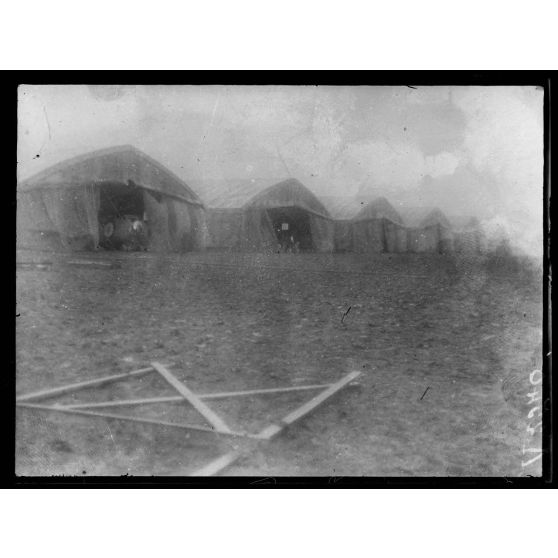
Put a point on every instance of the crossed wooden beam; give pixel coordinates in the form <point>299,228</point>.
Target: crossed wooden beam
<point>217,425</point>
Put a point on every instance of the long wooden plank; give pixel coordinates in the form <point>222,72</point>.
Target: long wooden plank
<point>60,409</point>
<point>273,430</point>
<point>81,385</point>
<point>192,398</point>
<point>91,262</point>
<point>319,399</point>
<point>263,391</point>
<point>123,402</point>
<point>218,464</point>
<point>176,398</point>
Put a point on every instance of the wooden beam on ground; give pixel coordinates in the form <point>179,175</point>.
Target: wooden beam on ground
<point>176,398</point>
<point>39,265</point>
<point>264,391</point>
<point>192,398</point>
<point>123,402</point>
<point>218,464</point>
<point>59,409</point>
<point>319,399</point>
<point>81,385</point>
<point>94,263</point>
<point>273,430</point>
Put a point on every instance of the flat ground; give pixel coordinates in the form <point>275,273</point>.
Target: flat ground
<point>459,330</point>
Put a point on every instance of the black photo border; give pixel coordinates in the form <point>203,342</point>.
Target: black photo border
<point>411,78</point>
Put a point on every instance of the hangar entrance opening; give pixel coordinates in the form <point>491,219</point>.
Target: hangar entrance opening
<point>292,228</point>
<point>122,217</point>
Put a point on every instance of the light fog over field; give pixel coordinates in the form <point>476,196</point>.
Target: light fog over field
<point>471,151</point>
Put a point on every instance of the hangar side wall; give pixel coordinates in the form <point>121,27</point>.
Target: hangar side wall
<point>66,218</point>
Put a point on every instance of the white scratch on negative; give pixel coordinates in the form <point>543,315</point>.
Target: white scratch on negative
<point>208,129</point>
<point>111,436</point>
<point>47,121</point>
<point>213,113</point>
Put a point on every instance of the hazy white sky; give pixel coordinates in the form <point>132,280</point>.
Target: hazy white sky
<point>469,150</point>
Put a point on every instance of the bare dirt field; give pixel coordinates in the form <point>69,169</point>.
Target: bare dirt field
<point>436,338</point>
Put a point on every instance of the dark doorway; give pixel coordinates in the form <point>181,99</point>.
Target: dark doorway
<point>118,199</point>
<point>122,217</point>
<point>292,228</point>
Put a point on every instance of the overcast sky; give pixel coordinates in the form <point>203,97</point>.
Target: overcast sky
<point>468,150</point>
